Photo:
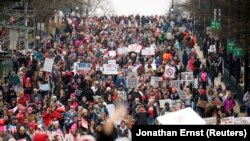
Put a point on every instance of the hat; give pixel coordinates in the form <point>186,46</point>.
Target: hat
<point>73,126</point>
<point>2,122</point>
<point>108,89</point>
<point>3,128</point>
<point>73,95</point>
<point>40,137</point>
<point>61,109</point>
<point>203,92</point>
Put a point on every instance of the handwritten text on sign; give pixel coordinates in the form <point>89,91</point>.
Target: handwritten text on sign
<point>48,65</point>
<point>135,48</point>
<point>84,66</point>
<point>122,50</point>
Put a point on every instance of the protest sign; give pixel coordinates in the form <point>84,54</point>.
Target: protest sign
<point>182,94</point>
<point>242,120</point>
<point>211,120</point>
<point>122,50</point>
<point>111,61</point>
<point>111,109</point>
<point>212,48</point>
<point>134,48</point>
<point>227,121</point>
<point>44,87</point>
<point>48,64</point>
<point>169,72</point>
<point>110,69</point>
<point>187,76</point>
<point>112,53</point>
<point>176,83</point>
<point>163,101</point>
<point>84,66</point>
<point>157,82</point>
<point>132,81</point>
<point>185,116</point>
<point>148,51</point>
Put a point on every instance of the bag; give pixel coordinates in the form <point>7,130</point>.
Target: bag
<point>203,77</point>
<point>202,103</point>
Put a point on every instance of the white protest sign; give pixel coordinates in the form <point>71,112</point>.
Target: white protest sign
<point>134,48</point>
<point>111,61</point>
<point>110,69</point>
<point>122,50</point>
<point>196,83</point>
<point>112,53</point>
<point>111,109</point>
<point>44,87</point>
<point>163,101</point>
<point>48,64</point>
<point>227,121</point>
<point>185,116</point>
<point>242,120</point>
<point>176,83</point>
<point>148,51</point>
<point>182,94</point>
<point>84,66</point>
<point>187,75</point>
<point>212,48</point>
<point>132,81</point>
<point>157,82</point>
<point>169,72</point>
<point>211,120</point>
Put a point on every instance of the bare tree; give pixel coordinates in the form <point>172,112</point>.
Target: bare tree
<point>101,6</point>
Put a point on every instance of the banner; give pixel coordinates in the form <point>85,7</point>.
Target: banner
<point>134,48</point>
<point>48,64</point>
<point>122,50</point>
<point>110,69</point>
<point>148,51</point>
<point>242,120</point>
<point>227,121</point>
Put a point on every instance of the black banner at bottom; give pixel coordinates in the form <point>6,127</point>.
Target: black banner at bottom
<point>194,132</point>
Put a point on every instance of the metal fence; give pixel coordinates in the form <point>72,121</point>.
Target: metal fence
<point>234,87</point>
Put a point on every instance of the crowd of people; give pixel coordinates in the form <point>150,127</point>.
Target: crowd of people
<point>68,103</point>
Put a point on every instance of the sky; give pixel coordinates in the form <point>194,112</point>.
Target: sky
<point>143,7</point>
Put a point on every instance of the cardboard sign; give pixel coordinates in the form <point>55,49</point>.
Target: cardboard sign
<point>110,69</point>
<point>169,72</point>
<point>185,116</point>
<point>242,120</point>
<point>148,51</point>
<point>176,83</point>
<point>211,120</point>
<point>122,50</point>
<point>48,64</point>
<point>227,121</point>
<point>134,48</point>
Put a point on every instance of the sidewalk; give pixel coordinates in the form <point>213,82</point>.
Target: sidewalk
<point>217,80</point>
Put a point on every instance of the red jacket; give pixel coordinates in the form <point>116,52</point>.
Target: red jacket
<point>47,117</point>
